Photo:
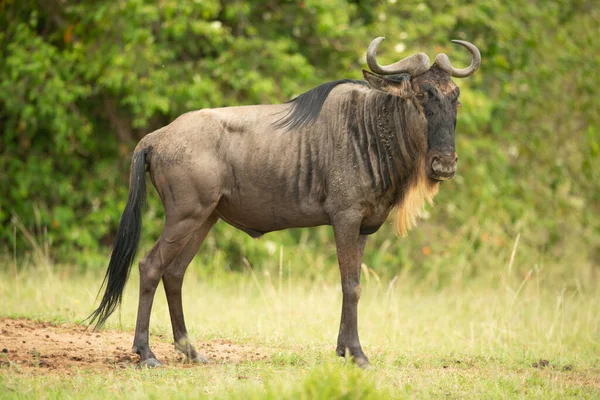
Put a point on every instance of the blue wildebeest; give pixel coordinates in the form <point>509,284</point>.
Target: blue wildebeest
<point>342,154</point>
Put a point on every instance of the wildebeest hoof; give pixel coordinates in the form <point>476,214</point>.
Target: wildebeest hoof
<point>199,359</point>
<point>151,363</point>
<point>362,362</point>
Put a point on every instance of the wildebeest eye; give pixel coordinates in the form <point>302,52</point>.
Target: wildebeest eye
<point>422,97</point>
<point>458,104</point>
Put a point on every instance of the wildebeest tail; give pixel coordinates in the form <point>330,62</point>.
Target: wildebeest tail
<point>126,242</point>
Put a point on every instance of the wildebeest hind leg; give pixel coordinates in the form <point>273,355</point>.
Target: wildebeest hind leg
<point>173,280</point>
<point>172,241</point>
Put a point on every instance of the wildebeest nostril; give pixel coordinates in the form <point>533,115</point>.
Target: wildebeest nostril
<point>448,157</point>
<point>443,166</point>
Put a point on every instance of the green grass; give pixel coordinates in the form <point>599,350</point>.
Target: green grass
<point>475,339</point>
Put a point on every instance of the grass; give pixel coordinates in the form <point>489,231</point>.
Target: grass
<point>474,339</point>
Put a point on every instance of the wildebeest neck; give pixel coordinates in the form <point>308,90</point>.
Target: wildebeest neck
<point>388,138</point>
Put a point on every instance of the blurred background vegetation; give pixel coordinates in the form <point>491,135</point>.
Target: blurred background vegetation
<point>82,82</point>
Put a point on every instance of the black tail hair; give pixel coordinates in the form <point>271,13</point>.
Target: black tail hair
<point>125,244</point>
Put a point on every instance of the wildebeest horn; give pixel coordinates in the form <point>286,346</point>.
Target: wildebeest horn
<point>413,65</point>
<point>443,61</point>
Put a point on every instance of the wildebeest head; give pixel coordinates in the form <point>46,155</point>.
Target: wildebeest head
<point>435,94</point>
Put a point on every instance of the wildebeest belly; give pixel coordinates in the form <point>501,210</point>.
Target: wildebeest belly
<point>260,209</point>
<point>271,181</point>
<point>258,213</point>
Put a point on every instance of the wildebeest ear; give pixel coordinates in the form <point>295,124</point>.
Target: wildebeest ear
<point>397,87</point>
<point>375,81</point>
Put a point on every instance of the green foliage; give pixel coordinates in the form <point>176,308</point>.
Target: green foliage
<point>80,83</point>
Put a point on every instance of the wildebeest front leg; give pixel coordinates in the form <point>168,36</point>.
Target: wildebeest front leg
<point>350,245</point>
<point>341,342</point>
<point>173,280</point>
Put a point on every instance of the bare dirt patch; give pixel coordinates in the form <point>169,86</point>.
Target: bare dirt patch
<point>47,347</point>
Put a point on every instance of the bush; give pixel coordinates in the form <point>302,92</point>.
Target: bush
<point>81,83</point>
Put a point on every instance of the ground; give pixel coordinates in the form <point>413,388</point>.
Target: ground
<point>46,347</point>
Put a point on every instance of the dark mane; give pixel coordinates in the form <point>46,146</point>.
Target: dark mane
<point>306,108</point>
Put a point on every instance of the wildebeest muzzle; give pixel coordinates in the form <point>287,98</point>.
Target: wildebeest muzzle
<point>441,166</point>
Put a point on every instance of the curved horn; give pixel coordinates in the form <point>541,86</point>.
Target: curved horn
<point>443,61</point>
<point>414,65</point>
